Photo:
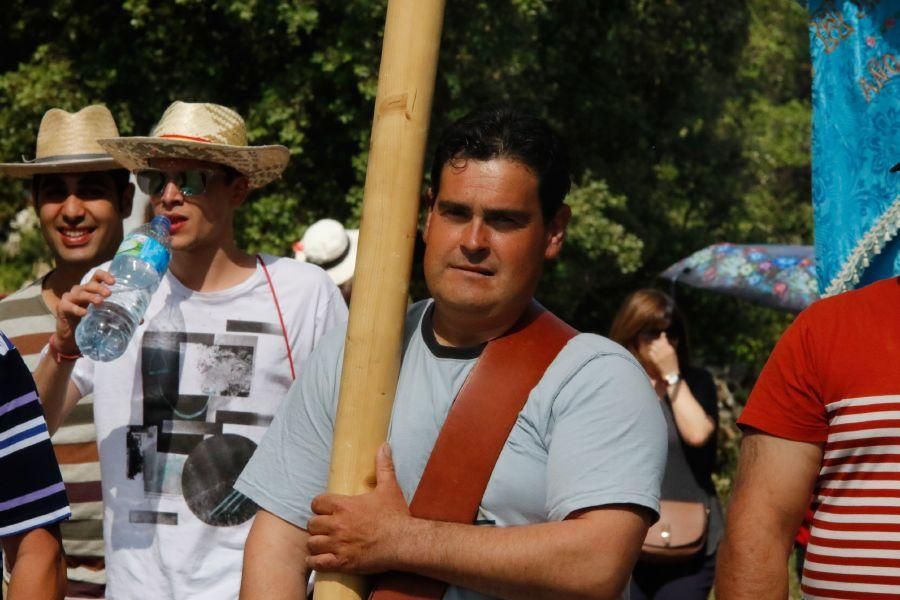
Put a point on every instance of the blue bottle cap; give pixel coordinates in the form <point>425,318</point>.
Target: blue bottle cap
<point>161,222</point>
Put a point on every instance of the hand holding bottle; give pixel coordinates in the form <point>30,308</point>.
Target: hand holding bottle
<point>73,306</point>
<point>138,267</point>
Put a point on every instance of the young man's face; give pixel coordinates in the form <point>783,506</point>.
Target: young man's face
<point>201,216</point>
<point>81,216</point>
<point>486,240</point>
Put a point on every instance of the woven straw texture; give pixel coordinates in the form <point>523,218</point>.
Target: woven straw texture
<point>67,142</point>
<point>202,131</point>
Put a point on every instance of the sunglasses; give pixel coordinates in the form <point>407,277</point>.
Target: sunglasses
<point>191,182</point>
<point>649,335</point>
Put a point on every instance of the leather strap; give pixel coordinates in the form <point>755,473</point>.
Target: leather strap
<point>474,433</point>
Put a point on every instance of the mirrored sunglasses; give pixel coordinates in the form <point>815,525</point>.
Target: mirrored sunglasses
<point>191,182</point>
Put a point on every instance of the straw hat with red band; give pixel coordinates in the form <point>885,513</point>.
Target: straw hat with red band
<point>202,131</point>
<point>67,143</point>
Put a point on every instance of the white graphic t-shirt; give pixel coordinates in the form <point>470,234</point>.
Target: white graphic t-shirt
<point>181,412</point>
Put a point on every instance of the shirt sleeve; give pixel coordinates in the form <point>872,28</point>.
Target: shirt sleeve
<point>83,373</point>
<point>83,376</point>
<point>334,310</point>
<point>33,494</point>
<point>608,439</point>
<point>290,466</point>
<point>786,401</point>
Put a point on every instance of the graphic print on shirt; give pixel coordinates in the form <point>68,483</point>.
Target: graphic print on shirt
<point>191,442</point>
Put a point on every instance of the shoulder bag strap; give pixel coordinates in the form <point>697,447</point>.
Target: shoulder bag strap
<point>474,433</point>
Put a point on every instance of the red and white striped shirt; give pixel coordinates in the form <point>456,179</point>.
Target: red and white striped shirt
<point>834,378</point>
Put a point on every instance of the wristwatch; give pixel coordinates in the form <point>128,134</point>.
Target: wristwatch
<point>672,378</point>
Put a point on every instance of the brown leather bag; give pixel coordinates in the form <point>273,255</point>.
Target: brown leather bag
<point>474,433</point>
<point>679,534</point>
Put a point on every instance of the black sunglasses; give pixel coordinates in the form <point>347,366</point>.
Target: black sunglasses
<point>191,182</point>
<point>649,335</point>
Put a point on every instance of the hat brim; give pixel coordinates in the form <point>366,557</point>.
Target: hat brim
<point>30,169</point>
<point>343,271</point>
<point>260,164</point>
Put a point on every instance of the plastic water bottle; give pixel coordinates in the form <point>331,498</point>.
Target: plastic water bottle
<point>139,264</point>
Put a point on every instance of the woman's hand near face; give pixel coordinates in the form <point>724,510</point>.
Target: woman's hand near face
<point>694,426</point>
<point>662,354</point>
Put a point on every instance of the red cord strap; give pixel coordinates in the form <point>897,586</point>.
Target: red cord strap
<point>287,343</point>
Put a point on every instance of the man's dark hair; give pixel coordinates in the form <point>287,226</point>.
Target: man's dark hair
<point>120,179</point>
<point>504,132</point>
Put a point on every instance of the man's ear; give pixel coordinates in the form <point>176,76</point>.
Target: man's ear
<point>126,202</point>
<point>429,203</point>
<point>240,188</point>
<point>556,232</point>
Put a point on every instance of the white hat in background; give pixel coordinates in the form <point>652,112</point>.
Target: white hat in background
<point>327,244</point>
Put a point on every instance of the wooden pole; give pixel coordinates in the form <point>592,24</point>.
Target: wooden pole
<point>412,35</point>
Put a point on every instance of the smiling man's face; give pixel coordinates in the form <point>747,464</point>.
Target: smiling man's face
<point>81,216</point>
<point>486,240</point>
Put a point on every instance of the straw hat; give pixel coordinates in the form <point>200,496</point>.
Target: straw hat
<point>327,244</point>
<point>202,131</point>
<point>67,143</point>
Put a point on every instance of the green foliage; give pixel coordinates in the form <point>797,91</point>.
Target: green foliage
<point>24,254</point>
<point>689,122</point>
<point>599,249</point>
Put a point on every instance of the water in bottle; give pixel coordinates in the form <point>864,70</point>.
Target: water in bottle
<point>139,264</point>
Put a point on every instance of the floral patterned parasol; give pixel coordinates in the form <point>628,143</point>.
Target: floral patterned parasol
<point>778,276</point>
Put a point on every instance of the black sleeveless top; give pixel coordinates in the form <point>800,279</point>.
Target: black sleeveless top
<point>688,474</point>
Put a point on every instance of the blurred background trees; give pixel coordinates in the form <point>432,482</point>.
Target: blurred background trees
<point>688,122</point>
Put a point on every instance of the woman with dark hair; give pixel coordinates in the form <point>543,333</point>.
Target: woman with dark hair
<point>651,327</point>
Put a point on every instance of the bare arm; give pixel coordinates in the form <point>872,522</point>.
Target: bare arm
<point>53,379</point>
<point>774,483</point>
<point>274,560</point>
<point>37,564</point>
<point>57,392</point>
<point>589,555</point>
<point>694,425</point>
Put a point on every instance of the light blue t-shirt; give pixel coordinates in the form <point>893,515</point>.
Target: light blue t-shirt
<point>592,433</point>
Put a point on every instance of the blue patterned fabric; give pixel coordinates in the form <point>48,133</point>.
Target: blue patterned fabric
<point>855,48</point>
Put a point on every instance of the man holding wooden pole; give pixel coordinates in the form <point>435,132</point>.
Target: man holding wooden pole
<point>524,460</point>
